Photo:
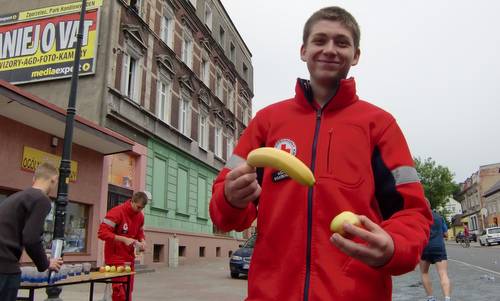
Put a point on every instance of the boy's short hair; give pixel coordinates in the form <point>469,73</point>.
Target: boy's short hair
<point>45,171</point>
<point>333,13</point>
<point>140,197</point>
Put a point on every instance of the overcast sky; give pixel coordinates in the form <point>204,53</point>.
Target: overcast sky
<point>435,65</point>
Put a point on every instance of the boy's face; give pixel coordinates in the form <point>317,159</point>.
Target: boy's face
<point>53,181</point>
<point>329,52</point>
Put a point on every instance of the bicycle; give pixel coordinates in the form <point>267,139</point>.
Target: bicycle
<point>464,242</point>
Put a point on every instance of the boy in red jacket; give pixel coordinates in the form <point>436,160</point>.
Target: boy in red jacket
<point>122,230</point>
<point>361,163</point>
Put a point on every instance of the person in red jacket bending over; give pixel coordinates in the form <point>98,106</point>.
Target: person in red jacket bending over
<point>361,163</point>
<point>122,230</point>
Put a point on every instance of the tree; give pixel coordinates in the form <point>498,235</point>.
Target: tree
<point>437,181</point>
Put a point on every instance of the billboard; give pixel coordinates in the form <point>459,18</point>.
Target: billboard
<point>38,44</point>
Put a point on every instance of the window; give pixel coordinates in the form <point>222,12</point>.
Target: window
<point>222,37</point>
<point>136,6</point>
<point>217,252</point>
<point>184,115</point>
<point>208,16</point>
<point>167,29</point>
<point>202,197</point>
<point>164,95</point>
<point>203,131</point>
<point>158,253</point>
<point>232,52</point>
<point>245,115</point>
<point>245,71</point>
<point>182,251</point>
<point>218,141</point>
<point>187,50</point>
<point>160,173</point>
<point>230,98</point>
<point>130,81</point>
<point>202,251</point>
<point>205,71</point>
<point>182,190</point>
<point>218,86</point>
<point>230,146</point>
<point>75,232</point>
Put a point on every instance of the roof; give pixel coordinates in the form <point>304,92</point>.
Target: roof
<point>495,188</point>
<point>31,110</point>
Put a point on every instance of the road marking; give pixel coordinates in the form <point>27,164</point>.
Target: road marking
<point>475,267</point>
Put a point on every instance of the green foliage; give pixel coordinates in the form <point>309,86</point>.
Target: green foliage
<point>437,181</point>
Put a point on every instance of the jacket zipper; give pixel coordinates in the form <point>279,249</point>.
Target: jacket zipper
<point>330,134</point>
<point>310,207</point>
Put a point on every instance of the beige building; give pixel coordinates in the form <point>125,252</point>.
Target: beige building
<point>473,191</point>
<point>492,205</point>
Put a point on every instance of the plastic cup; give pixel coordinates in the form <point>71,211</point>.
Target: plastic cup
<point>71,270</point>
<point>86,268</point>
<point>78,269</point>
<point>30,274</point>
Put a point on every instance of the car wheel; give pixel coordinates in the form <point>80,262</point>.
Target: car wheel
<point>488,244</point>
<point>235,275</point>
<point>481,243</point>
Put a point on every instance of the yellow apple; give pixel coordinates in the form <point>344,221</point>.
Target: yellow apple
<point>107,268</point>
<point>346,217</point>
<point>120,269</point>
<point>128,269</point>
<point>113,269</point>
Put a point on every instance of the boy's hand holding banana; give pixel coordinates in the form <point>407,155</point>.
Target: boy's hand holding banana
<point>241,185</point>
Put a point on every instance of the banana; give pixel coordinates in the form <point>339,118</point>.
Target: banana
<point>281,160</point>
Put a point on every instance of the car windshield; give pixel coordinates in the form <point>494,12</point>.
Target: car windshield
<point>494,231</point>
<point>250,242</point>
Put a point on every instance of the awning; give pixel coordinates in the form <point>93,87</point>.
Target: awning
<point>40,114</point>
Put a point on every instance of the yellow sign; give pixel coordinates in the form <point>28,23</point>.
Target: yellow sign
<point>39,44</point>
<point>33,157</point>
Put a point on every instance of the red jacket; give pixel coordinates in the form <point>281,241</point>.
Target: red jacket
<point>124,221</point>
<point>361,163</point>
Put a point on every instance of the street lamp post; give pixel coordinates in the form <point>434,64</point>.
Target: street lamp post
<point>65,167</point>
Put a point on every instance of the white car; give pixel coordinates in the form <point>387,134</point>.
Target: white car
<point>490,236</point>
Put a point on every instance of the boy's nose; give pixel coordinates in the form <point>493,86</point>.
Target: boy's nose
<point>330,48</point>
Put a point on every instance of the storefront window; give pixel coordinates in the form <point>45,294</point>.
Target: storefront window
<point>121,171</point>
<point>75,234</point>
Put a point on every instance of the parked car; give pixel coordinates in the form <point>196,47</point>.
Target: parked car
<point>460,235</point>
<point>240,260</point>
<point>490,236</point>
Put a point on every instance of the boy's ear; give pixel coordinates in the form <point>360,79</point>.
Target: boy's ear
<point>303,53</point>
<point>356,57</point>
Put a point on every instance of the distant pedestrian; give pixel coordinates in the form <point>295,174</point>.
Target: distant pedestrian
<point>435,253</point>
<point>22,217</point>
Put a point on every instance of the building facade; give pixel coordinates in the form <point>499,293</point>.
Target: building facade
<point>176,78</point>
<point>452,208</point>
<point>30,128</point>
<point>472,192</point>
<point>492,205</point>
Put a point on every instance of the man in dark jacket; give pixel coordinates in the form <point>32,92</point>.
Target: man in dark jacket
<point>22,216</point>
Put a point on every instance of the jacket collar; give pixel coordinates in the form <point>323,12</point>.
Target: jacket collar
<point>346,95</point>
<point>128,208</point>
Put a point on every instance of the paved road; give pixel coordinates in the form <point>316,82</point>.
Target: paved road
<point>209,280</point>
<point>474,273</point>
